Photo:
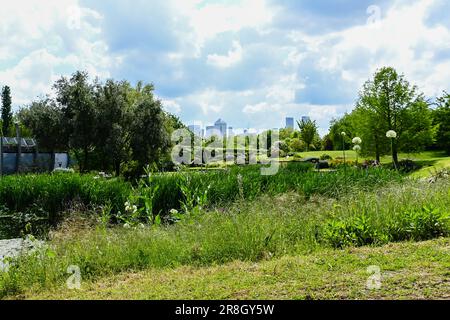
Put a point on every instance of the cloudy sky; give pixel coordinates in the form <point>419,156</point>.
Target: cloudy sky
<point>250,62</point>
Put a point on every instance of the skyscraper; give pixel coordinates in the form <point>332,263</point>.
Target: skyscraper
<point>221,126</point>
<point>196,129</point>
<point>306,118</point>
<point>289,123</point>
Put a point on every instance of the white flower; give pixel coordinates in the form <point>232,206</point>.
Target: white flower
<point>391,134</point>
<point>134,208</point>
<point>343,134</point>
<point>173,211</point>
<point>357,147</point>
<point>127,204</point>
<point>357,140</point>
<point>126,226</point>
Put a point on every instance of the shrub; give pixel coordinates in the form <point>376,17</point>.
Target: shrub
<point>416,224</point>
<point>423,224</point>
<point>326,157</point>
<point>355,232</point>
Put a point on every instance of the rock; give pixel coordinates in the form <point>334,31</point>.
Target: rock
<point>12,248</point>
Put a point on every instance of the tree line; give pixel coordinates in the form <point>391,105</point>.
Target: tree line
<point>390,102</point>
<point>385,102</point>
<point>110,126</point>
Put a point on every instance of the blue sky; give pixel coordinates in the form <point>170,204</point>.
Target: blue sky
<point>249,62</point>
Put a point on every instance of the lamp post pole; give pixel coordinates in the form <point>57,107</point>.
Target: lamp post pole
<point>19,147</point>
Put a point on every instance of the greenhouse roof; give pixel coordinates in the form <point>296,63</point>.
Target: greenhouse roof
<point>25,142</point>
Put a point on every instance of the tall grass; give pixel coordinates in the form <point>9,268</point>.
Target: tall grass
<point>44,197</point>
<point>37,201</point>
<point>225,186</point>
<point>266,227</point>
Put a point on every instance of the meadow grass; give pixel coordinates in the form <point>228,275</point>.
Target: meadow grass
<point>32,203</point>
<point>40,199</point>
<point>268,227</point>
<point>408,270</point>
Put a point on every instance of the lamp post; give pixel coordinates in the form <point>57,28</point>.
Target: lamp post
<point>19,146</point>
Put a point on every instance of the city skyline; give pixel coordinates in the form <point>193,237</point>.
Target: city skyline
<point>220,127</point>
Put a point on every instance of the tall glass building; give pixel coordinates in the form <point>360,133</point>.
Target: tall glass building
<point>289,123</point>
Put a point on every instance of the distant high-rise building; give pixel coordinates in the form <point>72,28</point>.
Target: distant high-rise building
<point>306,118</point>
<point>230,131</point>
<point>210,131</point>
<point>289,123</point>
<point>221,126</point>
<point>196,129</point>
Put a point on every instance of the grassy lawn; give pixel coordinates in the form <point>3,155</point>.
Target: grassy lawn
<point>408,271</point>
<point>351,155</point>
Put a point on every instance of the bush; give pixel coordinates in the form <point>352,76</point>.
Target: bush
<point>408,165</point>
<point>416,224</point>
<point>326,157</point>
<point>426,223</point>
<point>355,232</point>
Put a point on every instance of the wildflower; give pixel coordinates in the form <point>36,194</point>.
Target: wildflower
<point>357,148</point>
<point>134,208</point>
<point>126,226</point>
<point>173,211</point>
<point>357,140</point>
<point>343,134</point>
<point>391,134</point>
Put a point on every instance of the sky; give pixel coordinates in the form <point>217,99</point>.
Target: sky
<point>249,62</point>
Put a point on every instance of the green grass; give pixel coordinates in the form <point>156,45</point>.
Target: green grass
<point>351,155</point>
<point>40,199</point>
<point>225,186</point>
<point>269,227</point>
<point>408,271</point>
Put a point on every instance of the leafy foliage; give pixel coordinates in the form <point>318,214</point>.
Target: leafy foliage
<point>6,113</point>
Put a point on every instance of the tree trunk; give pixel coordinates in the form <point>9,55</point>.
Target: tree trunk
<point>377,151</point>
<point>117,168</point>
<point>85,161</point>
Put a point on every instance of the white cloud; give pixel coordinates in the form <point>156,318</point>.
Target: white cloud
<point>171,106</point>
<point>42,40</point>
<point>233,57</point>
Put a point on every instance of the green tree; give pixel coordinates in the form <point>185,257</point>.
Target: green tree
<point>45,121</point>
<point>77,98</point>
<point>387,103</point>
<point>149,137</point>
<point>308,132</point>
<point>113,114</point>
<point>441,118</point>
<point>296,145</point>
<point>344,124</point>
<point>6,110</point>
